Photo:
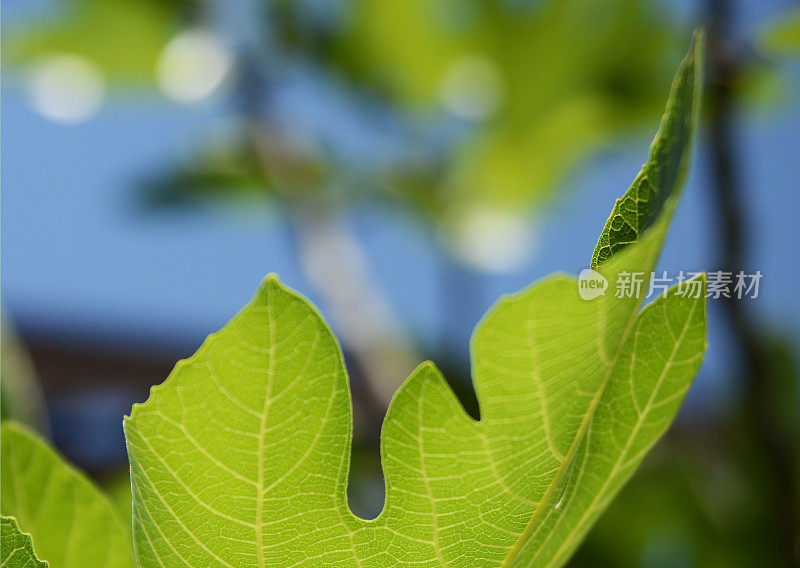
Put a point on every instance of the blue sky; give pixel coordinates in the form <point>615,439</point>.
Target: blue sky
<point>82,261</point>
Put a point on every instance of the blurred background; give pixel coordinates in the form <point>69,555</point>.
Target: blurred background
<point>402,164</point>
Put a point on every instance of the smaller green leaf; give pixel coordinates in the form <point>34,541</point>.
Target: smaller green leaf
<point>656,187</point>
<point>72,521</point>
<point>16,547</point>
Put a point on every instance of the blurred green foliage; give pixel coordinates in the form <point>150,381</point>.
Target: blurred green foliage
<point>784,35</point>
<point>123,39</point>
<point>534,87</point>
<point>543,83</point>
<point>531,90</point>
<point>20,396</point>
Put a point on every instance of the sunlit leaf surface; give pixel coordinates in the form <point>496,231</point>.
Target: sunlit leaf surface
<point>16,547</point>
<point>70,520</point>
<point>241,457</point>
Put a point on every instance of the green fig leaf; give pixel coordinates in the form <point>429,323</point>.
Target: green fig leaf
<point>16,547</point>
<point>71,521</point>
<point>240,459</point>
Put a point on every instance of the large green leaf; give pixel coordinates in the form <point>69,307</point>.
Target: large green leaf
<point>71,521</point>
<point>241,457</point>
<point>16,547</point>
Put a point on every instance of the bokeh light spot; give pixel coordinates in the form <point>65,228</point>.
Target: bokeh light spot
<point>66,89</point>
<point>192,66</point>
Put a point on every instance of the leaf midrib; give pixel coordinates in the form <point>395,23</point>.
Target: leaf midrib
<point>260,489</point>
<point>513,553</point>
<point>634,432</point>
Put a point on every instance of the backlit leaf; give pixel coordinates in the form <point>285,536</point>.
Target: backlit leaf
<point>16,547</point>
<point>240,459</point>
<point>71,521</point>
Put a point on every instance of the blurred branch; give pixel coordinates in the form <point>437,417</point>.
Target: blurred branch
<point>333,261</point>
<point>780,497</point>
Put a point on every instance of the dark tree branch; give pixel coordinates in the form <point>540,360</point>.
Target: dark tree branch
<point>781,499</point>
